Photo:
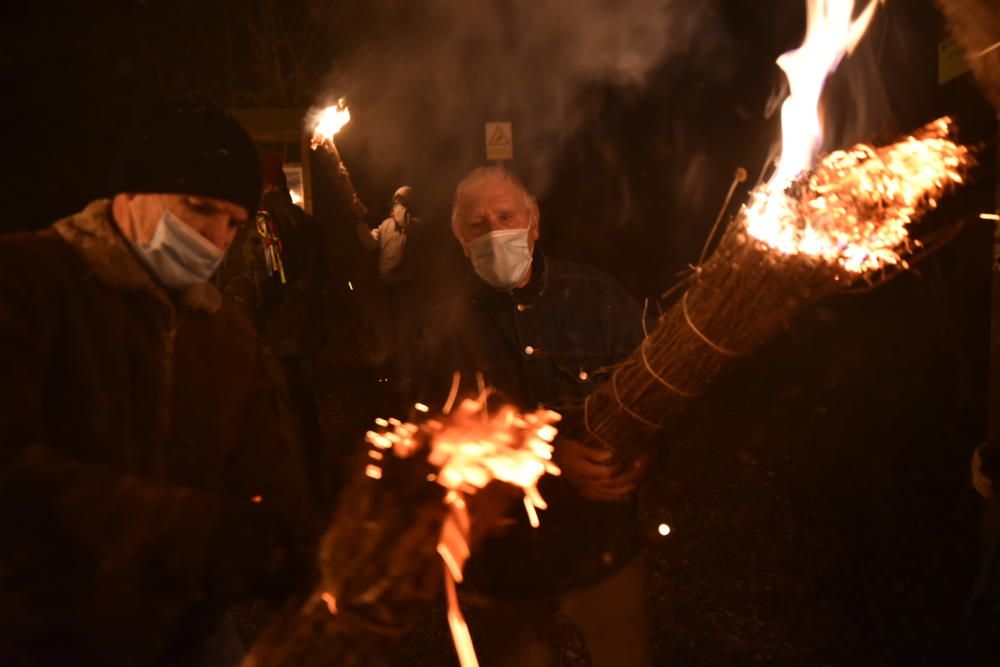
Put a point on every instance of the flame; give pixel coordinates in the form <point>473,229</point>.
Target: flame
<point>470,449</point>
<point>830,34</point>
<point>329,121</point>
<point>852,210</point>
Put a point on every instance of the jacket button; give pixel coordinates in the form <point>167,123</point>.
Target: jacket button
<point>584,375</point>
<point>521,307</point>
<point>529,350</point>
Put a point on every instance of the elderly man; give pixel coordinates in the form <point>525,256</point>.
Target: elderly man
<point>543,332</point>
<point>145,475</point>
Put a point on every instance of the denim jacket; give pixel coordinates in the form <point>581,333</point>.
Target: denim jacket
<point>550,343</point>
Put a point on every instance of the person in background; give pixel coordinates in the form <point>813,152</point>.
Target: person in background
<point>390,238</point>
<point>148,476</point>
<point>275,271</point>
<point>278,272</point>
<point>399,295</point>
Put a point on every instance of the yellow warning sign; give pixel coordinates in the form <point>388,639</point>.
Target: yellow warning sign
<point>499,141</point>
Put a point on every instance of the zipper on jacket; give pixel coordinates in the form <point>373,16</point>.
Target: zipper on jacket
<point>166,409</point>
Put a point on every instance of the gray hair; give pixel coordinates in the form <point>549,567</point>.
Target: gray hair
<point>480,173</point>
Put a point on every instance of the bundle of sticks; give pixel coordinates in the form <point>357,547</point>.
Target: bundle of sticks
<point>843,222</point>
<point>405,523</point>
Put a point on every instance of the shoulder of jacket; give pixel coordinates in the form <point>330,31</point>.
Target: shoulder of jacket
<point>42,254</point>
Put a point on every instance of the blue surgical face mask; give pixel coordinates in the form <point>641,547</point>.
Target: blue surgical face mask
<point>501,258</point>
<point>177,255</point>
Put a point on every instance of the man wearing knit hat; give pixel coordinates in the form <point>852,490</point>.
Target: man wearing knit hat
<point>146,474</point>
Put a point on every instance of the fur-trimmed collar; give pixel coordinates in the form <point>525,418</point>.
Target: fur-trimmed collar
<point>96,237</point>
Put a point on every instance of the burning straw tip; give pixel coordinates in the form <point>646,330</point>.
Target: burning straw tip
<point>331,602</point>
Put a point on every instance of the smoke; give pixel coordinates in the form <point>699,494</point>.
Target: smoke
<point>421,92</point>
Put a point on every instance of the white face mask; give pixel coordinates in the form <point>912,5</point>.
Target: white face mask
<point>501,258</point>
<point>178,255</point>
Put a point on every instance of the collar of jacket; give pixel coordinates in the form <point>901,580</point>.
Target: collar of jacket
<point>107,253</point>
<point>535,288</point>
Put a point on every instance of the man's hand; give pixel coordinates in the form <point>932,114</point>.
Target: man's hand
<point>590,471</point>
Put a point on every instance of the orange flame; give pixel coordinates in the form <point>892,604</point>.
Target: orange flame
<point>830,34</point>
<point>327,122</point>
<point>853,209</point>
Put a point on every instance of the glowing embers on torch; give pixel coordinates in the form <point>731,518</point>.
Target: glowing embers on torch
<point>853,208</point>
<point>469,448</point>
<point>328,121</point>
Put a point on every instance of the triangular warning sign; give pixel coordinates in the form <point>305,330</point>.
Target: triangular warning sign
<point>499,138</point>
<point>499,141</point>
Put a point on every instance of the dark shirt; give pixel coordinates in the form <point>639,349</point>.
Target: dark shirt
<point>549,344</point>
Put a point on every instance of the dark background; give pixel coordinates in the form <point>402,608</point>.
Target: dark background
<point>819,497</point>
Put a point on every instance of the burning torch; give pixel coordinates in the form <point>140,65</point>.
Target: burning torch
<point>405,520</point>
<point>326,123</point>
<point>818,226</point>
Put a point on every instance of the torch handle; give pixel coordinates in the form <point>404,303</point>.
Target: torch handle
<point>342,180</point>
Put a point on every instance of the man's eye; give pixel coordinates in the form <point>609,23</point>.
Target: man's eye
<point>201,206</point>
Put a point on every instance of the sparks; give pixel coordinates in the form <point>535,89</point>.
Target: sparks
<point>469,448</point>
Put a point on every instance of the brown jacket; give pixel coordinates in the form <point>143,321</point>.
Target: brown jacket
<point>144,471</point>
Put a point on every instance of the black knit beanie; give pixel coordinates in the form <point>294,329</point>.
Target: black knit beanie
<point>188,148</point>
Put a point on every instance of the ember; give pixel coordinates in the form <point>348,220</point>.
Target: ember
<point>854,207</point>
